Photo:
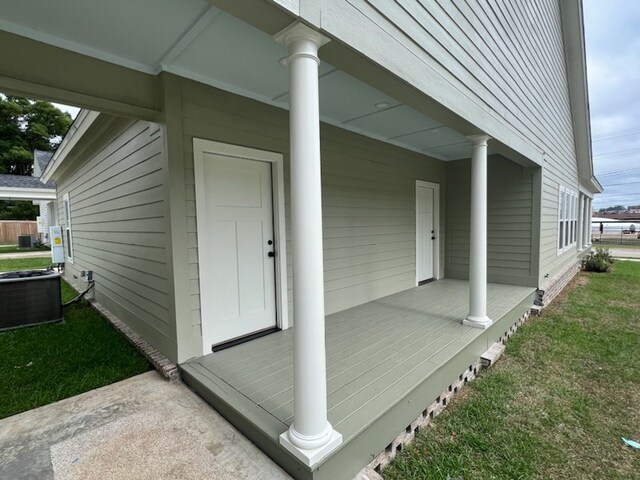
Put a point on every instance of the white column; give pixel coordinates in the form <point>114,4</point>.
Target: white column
<point>581,223</point>
<point>310,437</point>
<point>587,241</point>
<point>478,239</point>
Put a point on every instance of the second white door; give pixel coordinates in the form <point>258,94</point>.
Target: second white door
<point>426,235</point>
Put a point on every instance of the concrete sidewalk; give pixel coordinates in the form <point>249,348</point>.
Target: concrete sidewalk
<point>18,255</point>
<point>141,428</point>
<point>625,253</point>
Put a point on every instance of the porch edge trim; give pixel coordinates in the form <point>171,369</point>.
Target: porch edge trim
<point>374,469</point>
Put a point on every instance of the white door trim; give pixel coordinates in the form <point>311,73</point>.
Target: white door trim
<point>200,147</point>
<point>438,227</point>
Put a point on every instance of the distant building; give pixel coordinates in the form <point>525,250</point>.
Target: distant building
<point>634,209</point>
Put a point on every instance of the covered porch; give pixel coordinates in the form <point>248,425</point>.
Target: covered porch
<point>387,360</point>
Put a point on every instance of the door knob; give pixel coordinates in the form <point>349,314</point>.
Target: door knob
<point>271,254</point>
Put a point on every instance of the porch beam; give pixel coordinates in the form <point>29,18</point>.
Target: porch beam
<point>478,239</point>
<point>60,75</point>
<point>310,437</point>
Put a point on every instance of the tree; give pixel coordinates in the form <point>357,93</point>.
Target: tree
<point>18,210</point>
<point>614,209</point>
<point>28,125</point>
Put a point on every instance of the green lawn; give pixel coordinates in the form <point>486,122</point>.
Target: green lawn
<point>23,264</point>
<point>556,404</point>
<point>15,249</point>
<point>43,364</point>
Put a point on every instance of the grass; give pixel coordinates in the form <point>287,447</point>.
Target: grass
<point>556,404</point>
<point>15,249</point>
<point>23,264</point>
<point>44,364</point>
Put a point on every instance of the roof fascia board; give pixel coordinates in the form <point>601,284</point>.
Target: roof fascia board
<point>14,193</point>
<point>81,124</point>
<point>574,46</point>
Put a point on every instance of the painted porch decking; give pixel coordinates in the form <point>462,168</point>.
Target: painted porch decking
<point>377,353</point>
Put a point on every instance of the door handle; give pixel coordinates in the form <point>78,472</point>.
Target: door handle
<point>271,254</point>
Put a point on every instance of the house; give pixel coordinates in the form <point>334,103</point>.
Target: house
<point>324,212</point>
<point>633,209</point>
<point>24,187</point>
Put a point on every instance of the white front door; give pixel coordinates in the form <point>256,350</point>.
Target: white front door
<point>235,238</point>
<point>426,235</point>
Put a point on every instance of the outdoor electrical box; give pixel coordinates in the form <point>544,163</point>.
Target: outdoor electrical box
<point>57,248</point>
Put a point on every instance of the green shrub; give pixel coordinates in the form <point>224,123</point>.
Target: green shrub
<point>600,261</point>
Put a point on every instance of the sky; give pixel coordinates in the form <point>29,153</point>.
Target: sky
<point>612,31</point>
<point>73,111</point>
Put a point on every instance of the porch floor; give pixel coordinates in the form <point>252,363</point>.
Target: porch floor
<point>376,354</point>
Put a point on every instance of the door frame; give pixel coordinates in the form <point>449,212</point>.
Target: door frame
<point>438,227</point>
<point>202,146</point>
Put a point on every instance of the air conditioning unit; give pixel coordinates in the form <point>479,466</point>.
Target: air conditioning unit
<point>29,298</point>
<point>26,241</point>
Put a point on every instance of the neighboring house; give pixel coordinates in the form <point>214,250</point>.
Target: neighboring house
<point>422,186</point>
<point>47,207</point>
<point>633,209</point>
<point>25,187</point>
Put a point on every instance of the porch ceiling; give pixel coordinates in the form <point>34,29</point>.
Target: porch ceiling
<point>198,41</point>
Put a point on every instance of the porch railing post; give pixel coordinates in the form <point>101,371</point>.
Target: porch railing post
<point>478,239</point>
<point>310,437</point>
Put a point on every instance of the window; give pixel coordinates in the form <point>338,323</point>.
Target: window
<point>567,218</point>
<point>68,239</point>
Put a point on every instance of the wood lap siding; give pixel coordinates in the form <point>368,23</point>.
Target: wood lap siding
<point>117,200</point>
<point>497,63</point>
<point>509,222</point>
<point>368,196</point>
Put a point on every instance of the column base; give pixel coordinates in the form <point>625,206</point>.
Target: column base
<point>477,322</point>
<point>311,456</point>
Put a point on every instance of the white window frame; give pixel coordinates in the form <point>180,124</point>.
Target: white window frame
<point>68,233</point>
<point>567,219</point>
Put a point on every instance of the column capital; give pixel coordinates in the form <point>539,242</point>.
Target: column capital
<point>479,140</point>
<point>299,31</point>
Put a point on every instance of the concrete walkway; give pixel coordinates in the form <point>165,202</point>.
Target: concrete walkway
<point>141,428</point>
<point>625,253</point>
<point>18,255</point>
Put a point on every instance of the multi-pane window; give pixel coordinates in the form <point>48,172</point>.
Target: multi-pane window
<point>68,239</point>
<point>567,218</point>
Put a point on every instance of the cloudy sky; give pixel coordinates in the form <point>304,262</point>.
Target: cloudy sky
<point>612,29</point>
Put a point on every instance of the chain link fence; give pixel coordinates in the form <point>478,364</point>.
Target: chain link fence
<point>618,233</point>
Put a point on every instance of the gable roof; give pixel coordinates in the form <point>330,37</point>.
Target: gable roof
<point>40,161</point>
